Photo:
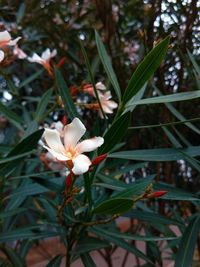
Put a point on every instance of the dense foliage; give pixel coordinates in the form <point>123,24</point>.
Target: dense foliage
<point>127,71</point>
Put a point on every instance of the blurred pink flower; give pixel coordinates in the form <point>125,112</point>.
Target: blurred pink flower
<point>5,40</point>
<point>107,104</point>
<point>19,52</point>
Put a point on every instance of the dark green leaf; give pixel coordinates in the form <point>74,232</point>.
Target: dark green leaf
<point>115,133</point>
<point>120,243</point>
<point>87,260</point>
<point>107,65</point>
<point>42,105</point>
<point>87,244</point>
<point>146,69</point>
<point>114,206</point>
<point>12,117</point>
<point>169,98</point>
<point>185,252</point>
<point>55,262</point>
<point>13,257</point>
<point>65,95</point>
<point>160,154</point>
<point>151,217</point>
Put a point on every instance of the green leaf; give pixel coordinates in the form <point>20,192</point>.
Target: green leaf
<point>131,105</point>
<point>146,69</point>
<point>135,189</point>
<point>32,232</point>
<point>185,252</point>
<point>169,98</point>
<point>13,257</point>
<point>42,105</point>
<point>25,146</point>
<point>87,260</point>
<point>120,243</point>
<point>6,214</point>
<point>20,13</point>
<point>130,236</point>
<point>151,217</point>
<point>55,262</point>
<point>11,116</point>
<point>107,65</point>
<point>160,154</point>
<point>31,78</point>
<point>114,206</point>
<point>13,158</point>
<point>91,78</point>
<point>65,95</point>
<point>176,113</point>
<point>194,63</point>
<point>87,244</point>
<point>115,133</point>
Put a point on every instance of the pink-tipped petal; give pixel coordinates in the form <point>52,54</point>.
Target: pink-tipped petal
<point>52,138</point>
<point>81,164</point>
<point>57,155</point>
<point>90,144</point>
<point>1,55</point>
<point>73,133</point>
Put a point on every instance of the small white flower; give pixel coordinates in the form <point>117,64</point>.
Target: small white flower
<point>107,104</point>
<point>69,148</point>
<point>45,58</point>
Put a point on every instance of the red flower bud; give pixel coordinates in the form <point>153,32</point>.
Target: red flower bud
<point>61,62</point>
<point>99,159</point>
<point>69,180</point>
<point>157,194</point>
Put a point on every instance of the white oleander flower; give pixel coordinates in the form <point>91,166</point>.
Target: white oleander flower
<point>44,60</point>
<point>69,149</point>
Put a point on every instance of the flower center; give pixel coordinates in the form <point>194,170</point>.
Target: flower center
<point>71,152</point>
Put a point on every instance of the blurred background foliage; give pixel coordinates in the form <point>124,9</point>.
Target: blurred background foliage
<point>129,30</point>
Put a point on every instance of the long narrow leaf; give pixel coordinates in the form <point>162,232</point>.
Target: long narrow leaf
<point>107,65</point>
<point>186,249</point>
<point>146,69</point>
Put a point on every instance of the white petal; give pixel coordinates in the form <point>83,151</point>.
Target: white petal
<point>100,86</point>
<point>53,53</point>
<point>57,155</point>
<point>81,164</point>
<point>73,133</point>
<point>1,55</point>
<point>52,138</point>
<point>46,55</point>
<point>5,36</point>
<point>14,42</point>
<point>35,58</point>
<point>112,104</point>
<point>90,144</point>
<point>106,109</point>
